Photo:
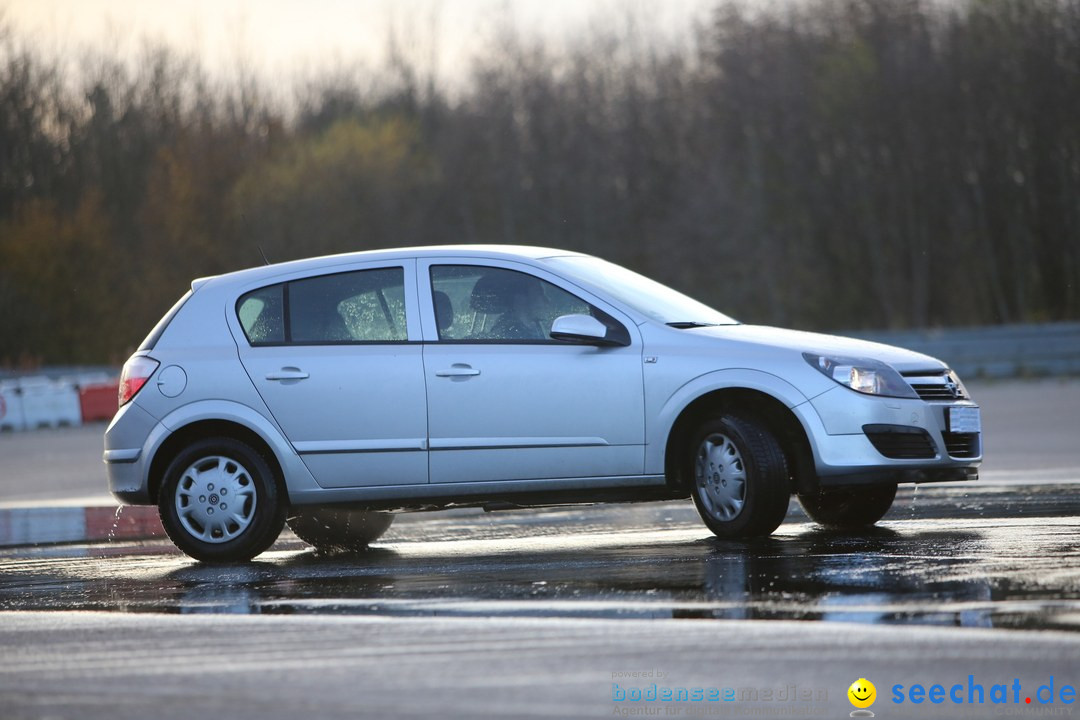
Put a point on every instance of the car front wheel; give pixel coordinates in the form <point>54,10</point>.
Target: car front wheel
<point>332,529</point>
<point>740,477</point>
<point>220,502</point>
<point>852,507</point>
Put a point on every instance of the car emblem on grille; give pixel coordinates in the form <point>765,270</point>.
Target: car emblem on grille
<point>952,387</point>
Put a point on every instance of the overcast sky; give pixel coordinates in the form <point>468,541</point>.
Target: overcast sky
<point>280,38</point>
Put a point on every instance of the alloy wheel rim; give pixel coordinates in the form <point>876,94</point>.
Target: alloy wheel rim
<point>215,499</point>
<point>721,477</point>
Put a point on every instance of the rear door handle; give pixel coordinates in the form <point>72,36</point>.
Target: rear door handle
<point>457,370</point>
<point>288,373</point>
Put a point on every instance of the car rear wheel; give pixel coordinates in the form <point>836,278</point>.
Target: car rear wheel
<point>853,507</point>
<point>220,501</point>
<point>740,477</point>
<point>332,529</point>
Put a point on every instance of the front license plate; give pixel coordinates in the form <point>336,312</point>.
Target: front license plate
<point>964,420</point>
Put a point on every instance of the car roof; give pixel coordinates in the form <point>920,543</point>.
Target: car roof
<point>495,252</point>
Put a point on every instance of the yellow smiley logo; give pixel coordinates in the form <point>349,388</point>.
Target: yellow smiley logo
<point>862,693</point>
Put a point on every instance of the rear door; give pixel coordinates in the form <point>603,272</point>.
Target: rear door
<point>338,360</point>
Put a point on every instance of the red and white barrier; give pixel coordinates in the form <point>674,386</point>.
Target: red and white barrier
<point>47,403</point>
<point>49,525</point>
<point>30,403</point>
<point>98,401</point>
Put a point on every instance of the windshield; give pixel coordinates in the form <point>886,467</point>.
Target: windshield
<point>648,297</point>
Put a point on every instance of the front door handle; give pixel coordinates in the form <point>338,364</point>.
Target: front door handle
<point>457,370</point>
<point>288,373</point>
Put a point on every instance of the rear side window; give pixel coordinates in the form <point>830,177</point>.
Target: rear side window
<point>346,308</point>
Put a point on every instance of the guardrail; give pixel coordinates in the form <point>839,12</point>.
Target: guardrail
<point>1002,351</point>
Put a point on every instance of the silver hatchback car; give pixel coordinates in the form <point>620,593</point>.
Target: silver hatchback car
<point>330,393</point>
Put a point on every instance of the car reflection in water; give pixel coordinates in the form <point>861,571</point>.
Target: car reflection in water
<point>828,576</point>
<point>912,575</point>
<point>921,577</point>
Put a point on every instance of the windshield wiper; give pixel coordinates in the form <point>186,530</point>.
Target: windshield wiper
<point>691,324</point>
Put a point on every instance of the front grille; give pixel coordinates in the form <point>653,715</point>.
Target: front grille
<point>940,387</point>
<point>934,392</point>
<point>962,445</point>
<point>899,442</point>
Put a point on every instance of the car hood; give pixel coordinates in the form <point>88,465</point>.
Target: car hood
<point>821,344</point>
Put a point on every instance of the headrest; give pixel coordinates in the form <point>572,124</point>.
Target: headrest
<point>444,310</point>
<point>493,293</point>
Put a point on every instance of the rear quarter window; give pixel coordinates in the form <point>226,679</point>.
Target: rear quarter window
<point>262,315</point>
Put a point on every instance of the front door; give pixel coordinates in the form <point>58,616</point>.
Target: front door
<point>507,402</point>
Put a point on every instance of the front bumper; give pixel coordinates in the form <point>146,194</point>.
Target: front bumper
<point>845,455</point>
<point>900,476</point>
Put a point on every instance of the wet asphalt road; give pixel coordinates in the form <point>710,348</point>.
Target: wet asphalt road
<point>535,613</point>
<point>982,556</point>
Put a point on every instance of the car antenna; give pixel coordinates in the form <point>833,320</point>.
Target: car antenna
<point>263,254</point>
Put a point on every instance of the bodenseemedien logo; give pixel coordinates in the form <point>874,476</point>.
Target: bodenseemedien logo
<point>862,695</point>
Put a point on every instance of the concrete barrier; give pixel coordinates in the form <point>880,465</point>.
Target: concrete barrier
<point>49,403</point>
<point>11,413</point>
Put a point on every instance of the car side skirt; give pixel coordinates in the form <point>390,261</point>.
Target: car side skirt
<point>516,493</point>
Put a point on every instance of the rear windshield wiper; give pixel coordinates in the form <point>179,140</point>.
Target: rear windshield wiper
<point>691,324</point>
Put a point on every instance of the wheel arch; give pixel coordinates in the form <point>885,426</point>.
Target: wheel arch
<point>754,403</point>
<point>216,419</point>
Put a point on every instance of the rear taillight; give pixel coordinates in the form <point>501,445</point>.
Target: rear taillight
<point>137,370</point>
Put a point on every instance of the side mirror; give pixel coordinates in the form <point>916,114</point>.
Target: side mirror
<point>581,329</point>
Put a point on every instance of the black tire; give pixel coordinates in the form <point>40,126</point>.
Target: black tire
<point>852,507</point>
<point>195,496</point>
<point>723,450</point>
<point>332,529</point>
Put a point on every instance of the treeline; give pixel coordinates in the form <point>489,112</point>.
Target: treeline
<point>825,164</point>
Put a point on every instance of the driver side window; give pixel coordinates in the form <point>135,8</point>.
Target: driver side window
<point>477,303</point>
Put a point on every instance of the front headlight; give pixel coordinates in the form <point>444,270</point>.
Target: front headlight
<point>870,377</point>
